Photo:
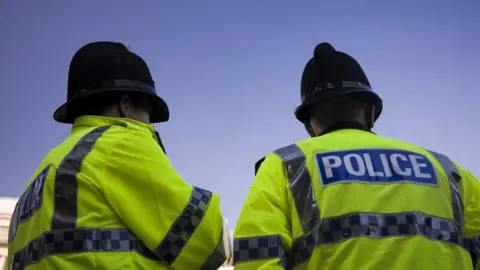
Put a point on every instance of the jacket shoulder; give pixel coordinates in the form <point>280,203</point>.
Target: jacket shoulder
<point>285,152</point>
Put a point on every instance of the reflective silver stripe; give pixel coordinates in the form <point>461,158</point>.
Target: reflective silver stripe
<point>77,241</point>
<point>66,186</point>
<point>454,178</point>
<point>259,248</point>
<point>301,187</point>
<point>474,248</point>
<point>217,257</point>
<point>185,225</point>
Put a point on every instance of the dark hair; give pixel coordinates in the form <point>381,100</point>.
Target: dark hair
<point>99,104</point>
<point>343,108</point>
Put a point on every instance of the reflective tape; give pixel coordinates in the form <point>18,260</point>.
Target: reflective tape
<point>259,248</point>
<point>29,203</point>
<point>217,257</point>
<point>77,241</point>
<point>64,238</point>
<point>301,187</point>
<point>474,248</point>
<point>185,225</point>
<point>373,225</point>
<point>454,178</point>
<point>66,186</point>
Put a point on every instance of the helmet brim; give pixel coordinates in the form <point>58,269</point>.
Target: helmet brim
<point>160,113</point>
<point>302,112</point>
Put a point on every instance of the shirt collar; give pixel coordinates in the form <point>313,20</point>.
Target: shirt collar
<point>346,125</point>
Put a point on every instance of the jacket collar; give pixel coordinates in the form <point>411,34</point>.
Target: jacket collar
<point>95,121</point>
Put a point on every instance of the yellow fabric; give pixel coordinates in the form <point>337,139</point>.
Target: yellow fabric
<point>269,209</point>
<point>470,187</point>
<point>126,181</point>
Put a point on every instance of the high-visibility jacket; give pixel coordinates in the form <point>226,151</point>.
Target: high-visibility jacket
<point>108,198</point>
<point>351,199</point>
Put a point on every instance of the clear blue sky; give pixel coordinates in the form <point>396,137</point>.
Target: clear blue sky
<point>230,72</point>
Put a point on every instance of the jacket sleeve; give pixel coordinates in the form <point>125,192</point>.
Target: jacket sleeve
<point>471,191</point>
<point>263,235</point>
<point>181,224</point>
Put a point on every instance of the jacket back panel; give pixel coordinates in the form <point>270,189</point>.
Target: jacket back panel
<point>357,175</point>
<point>67,191</point>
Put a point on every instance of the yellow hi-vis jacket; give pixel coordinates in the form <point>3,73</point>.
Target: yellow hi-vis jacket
<point>351,199</point>
<point>108,198</point>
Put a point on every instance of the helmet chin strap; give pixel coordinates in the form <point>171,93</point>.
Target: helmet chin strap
<point>370,116</point>
<point>309,129</point>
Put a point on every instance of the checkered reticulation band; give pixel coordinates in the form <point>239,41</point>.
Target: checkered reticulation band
<point>375,225</point>
<point>66,237</point>
<point>119,240</point>
<point>185,225</point>
<point>344,227</point>
<point>258,248</point>
<point>79,240</point>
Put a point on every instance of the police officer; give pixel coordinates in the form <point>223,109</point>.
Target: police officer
<point>107,197</point>
<point>350,199</point>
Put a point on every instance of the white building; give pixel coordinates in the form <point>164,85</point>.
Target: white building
<point>7,205</point>
<point>6,209</point>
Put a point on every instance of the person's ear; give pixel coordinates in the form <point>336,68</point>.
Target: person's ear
<point>123,107</point>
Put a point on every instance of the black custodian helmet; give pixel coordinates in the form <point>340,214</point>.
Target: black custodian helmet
<point>330,74</point>
<point>105,67</point>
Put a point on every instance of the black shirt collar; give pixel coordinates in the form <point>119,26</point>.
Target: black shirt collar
<point>345,125</point>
